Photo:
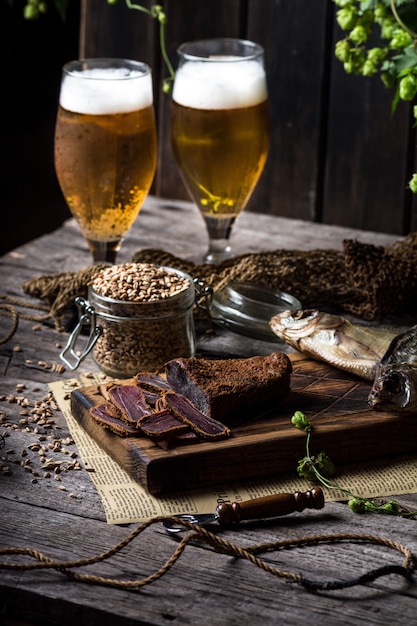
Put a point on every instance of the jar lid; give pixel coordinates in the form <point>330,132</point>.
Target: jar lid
<point>247,308</point>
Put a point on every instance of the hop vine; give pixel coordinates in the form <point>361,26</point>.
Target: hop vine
<point>320,468</point>
<point>365,22</point>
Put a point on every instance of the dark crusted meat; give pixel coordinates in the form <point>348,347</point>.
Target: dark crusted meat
<point>225,388</point>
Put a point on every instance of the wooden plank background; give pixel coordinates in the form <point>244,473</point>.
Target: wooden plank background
<point>337,155</point>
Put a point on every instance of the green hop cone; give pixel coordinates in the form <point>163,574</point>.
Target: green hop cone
<point>31,12</point>
<point>390,507</point>
<point>413,183</point>
<point>342,50</point>
<point>380,12</point>
<point>388,28</point>
<point>400,39</point>
<point>357,505</point>
<point>359,34</point>
<point>376,55</point>
<point>300,421</point>
<point>408,87</point>
<point>347,17</point>
<point>369,68</point>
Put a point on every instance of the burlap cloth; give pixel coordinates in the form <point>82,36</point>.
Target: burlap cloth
<point>365,280</point>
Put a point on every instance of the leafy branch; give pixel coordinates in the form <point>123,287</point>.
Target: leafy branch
<point>157,12</point>
<point>320,468</point>
<point>36,8</point>
<point>393,25</point>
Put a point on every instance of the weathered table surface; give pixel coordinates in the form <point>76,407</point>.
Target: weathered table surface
<point>203,587</point>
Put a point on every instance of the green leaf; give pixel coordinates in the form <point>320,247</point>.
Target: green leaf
<point>62,8</point>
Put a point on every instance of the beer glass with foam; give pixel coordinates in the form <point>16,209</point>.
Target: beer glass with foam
<point>105,147</point>
<point>220,130</point>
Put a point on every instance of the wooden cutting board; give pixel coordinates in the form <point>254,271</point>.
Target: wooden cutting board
<point>335,402</point>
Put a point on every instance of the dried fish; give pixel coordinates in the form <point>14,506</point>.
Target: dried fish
<point>333,339</point>
<point>395,385</point>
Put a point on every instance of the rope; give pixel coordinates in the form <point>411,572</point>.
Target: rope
<point>9,310</point>
<point>220,546</point>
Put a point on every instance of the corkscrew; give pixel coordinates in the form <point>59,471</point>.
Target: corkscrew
<point>228,514</point>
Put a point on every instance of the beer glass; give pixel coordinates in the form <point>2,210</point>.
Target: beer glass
<point>220,130</point>
<point>105,148</point>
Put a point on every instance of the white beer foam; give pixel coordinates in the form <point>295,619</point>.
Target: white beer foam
<point>106,91</point>
<point>220,85</point>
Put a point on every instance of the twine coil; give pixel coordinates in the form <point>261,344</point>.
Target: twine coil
<point>220,546</point>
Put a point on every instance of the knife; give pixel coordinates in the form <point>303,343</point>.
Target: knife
<point>227,514</point>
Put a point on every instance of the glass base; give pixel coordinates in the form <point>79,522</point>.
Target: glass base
<point>104,251</point>
<point>218,229</point>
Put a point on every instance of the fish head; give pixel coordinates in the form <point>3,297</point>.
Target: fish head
<point>394,389</point>
<point>294,326</point>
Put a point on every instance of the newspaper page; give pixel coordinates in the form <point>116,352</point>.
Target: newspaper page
<point>126,501</point>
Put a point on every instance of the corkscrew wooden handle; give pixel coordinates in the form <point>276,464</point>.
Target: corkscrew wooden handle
<point>269,506</point>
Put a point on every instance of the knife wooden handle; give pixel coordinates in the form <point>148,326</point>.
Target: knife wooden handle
<point>269,506</point>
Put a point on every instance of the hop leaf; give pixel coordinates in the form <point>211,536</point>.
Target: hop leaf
<point>305,469</point>
<point>324,464</point>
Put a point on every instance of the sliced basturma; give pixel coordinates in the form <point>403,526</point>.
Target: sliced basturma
<point>130,401</point>
<point>206,427</point>
<point>152,385</point>
<point>103,416</point>
<point>229,388</point>
<point>162,425</point>
<point>151,381</point>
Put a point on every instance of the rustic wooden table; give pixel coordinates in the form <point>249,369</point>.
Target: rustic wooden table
<point>65,519</point>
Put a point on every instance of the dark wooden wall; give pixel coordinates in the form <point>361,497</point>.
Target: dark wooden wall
<point>337,154</point>
<point>32,54</point>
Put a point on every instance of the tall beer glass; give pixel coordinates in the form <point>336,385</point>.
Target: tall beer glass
<point>105,147</point>
<point>220,130</point>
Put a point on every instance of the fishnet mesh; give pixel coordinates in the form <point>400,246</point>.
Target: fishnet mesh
<point>365,280</point>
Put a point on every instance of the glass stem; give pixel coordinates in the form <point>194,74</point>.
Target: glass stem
<point>219,230</point>
<point>104,251</point>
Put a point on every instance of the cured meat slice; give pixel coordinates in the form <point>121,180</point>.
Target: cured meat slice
<point>227,388</point>
<point>129,401</point>
<point>104,417</point>
<point>153,385</point>
<point>162,425</point>
<point>152,381</point>
<point>206,427</point>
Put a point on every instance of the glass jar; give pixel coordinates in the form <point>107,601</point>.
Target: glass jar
<point>129,336</point>
<point>247,308</point>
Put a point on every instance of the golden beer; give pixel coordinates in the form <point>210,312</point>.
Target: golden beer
<point>220,130</point>
<point>221,154</point>
<point>105,147</point>
<point>105,166</point>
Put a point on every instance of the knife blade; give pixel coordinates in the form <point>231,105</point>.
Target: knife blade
<point>227,514</point>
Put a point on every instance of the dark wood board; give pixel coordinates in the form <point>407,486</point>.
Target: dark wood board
<point>335,403</point>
